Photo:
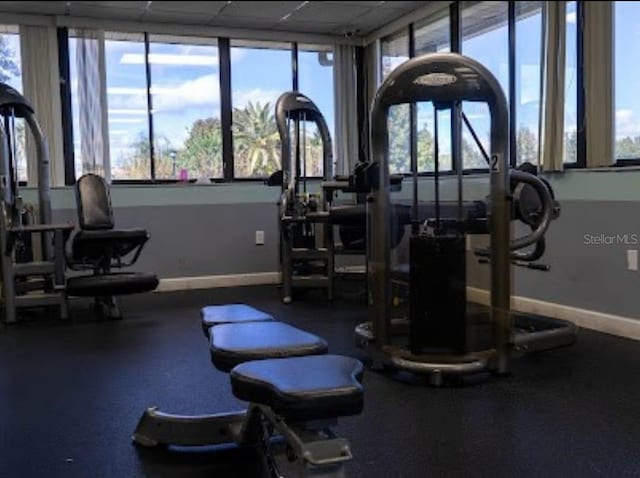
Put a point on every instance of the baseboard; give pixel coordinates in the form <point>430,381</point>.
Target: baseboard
<point>212,282</point>
<point>589,319</point>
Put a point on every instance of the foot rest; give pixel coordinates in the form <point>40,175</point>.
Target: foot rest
<point>302,388</point>
<point>233,344</point>
<point>213,315</point>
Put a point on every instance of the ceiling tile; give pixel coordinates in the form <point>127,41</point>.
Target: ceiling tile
<point>242,22</point>
<point>308,27</point>
<point>377,17</point>
<point>46,8</point>
<point>271,10</point>
<point>138,5</point>
<point>318,12</point>
<point>362,4</point>
<point>104,12</point>
<point>206,8</point>
<point>407,6</point>
<point>177,17</point>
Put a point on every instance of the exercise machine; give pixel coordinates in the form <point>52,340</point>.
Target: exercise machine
<point>308,217</point>
<point>442,334</point>
<point>296,393</point>
<point>102,251</point>
<point>306,239</point>
<point>33,273</point>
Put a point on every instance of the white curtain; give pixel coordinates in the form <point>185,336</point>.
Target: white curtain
<point>41,81</point>
<point>599,83</point>
<point>93,134</point>
<point>553,89</point>
<point>346,136</point>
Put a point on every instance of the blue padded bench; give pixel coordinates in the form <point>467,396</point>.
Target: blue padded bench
<point>213,315</point>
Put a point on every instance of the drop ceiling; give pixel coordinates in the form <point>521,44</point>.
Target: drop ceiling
<point>330,18</point>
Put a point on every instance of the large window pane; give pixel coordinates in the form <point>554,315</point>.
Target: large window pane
<point>571,87</point>
<point>185,89</point>
<point>11,74</point>
<point>260,73</point>
<point>127,106</point>
<point>433,36</point>
<point>394,51</point>
<point>627,82</point>
<point>485,38</point>
<point>315,80</point>
<point>528,57</point>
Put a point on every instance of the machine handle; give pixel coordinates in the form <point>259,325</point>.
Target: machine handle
<point>547,212</point>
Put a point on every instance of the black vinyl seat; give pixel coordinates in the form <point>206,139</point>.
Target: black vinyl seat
<point>213,315</point>
<point>116,283</point>
<point>302,388</point>
<point>233,344</point>
<point>100,248</point>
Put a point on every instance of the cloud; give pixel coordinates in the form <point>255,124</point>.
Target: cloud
<point>257,95</point>
<point>627,124</point>
<point>238,54</point>
<point>201,91</point>
<point>571,17</point>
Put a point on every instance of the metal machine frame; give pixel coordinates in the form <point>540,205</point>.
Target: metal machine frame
<point>449,79</point>
<point>50,271</point>
<point>302,214</point>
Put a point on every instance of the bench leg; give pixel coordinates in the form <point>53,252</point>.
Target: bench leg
<point>159,428</point>
<point>317,452</point>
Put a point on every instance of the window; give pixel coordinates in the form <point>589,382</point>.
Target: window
<point>571,86</point>
<point>395,50</point>
<point>432,36</point>
<point>260,73</point>
<point>11,74</point>
<point>185,97</point>
<point>127,106</point>
<point>173,91</point>
<point>527,73</point>
<point>315,80</point>
<point>484,38</point>
<point>627,102</point>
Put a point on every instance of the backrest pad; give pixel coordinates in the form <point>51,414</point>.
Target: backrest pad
<point>93,203</point>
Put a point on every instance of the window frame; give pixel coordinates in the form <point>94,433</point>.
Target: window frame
<point>455,30</point>
<point>226,109</point>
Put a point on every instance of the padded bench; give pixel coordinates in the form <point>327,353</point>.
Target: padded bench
<point>302,388</point>
<point>213,315</point>
<point>233,344</point>
<point>290,383</point>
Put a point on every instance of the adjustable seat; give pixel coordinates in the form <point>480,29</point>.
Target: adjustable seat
<point>302,388</point>
<point>233,344</point>
<point>99,247</point>
<point>213,315</point>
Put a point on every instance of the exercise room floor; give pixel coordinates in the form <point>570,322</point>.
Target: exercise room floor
<point>71,395</point>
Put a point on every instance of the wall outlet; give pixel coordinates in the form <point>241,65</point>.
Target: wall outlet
<point>632,259</point>
<point>259,238</point>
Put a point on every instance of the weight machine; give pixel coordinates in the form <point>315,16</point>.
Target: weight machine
<point>442,333</point>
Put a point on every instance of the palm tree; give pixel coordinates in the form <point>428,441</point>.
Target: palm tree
<point>256,140</point>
